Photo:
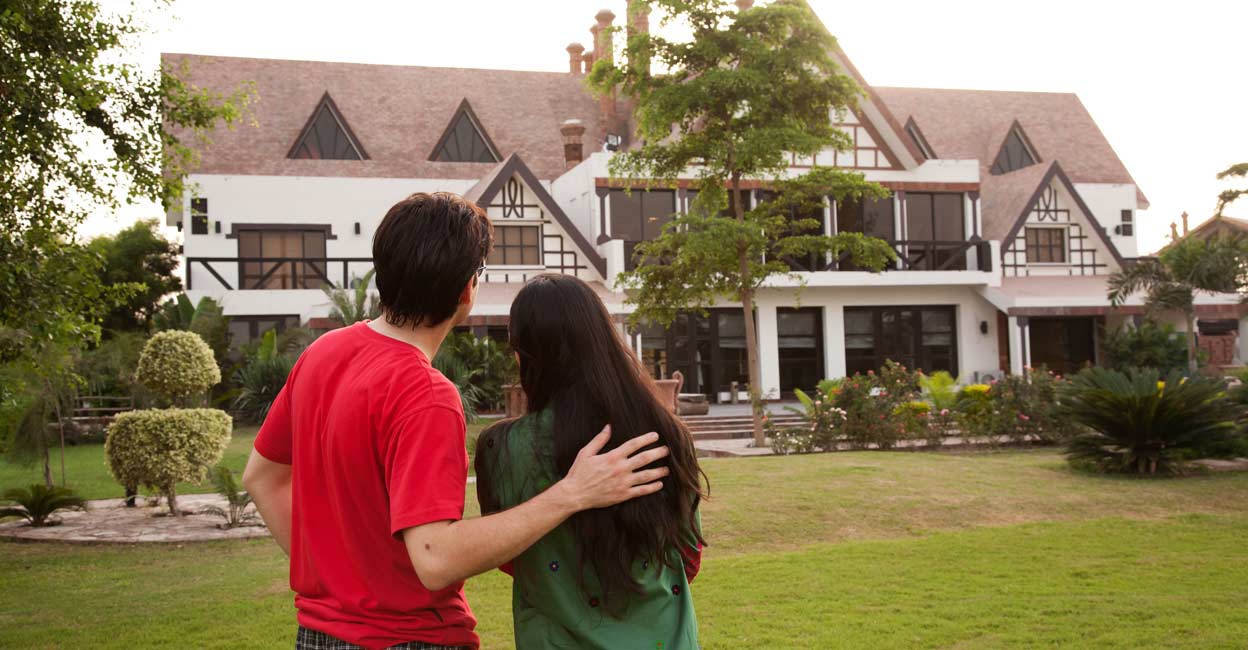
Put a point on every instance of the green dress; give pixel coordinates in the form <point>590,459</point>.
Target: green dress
<point>549,607</point>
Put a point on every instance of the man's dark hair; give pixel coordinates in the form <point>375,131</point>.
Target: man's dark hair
<point>425,251</point>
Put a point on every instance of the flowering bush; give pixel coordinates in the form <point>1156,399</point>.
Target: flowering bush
<point>913,418</point>
<point>177,365</point>
<point>869,402</point>
<point>823,420</point>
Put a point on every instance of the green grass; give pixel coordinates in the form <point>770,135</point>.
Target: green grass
<point>87,472</point>
<point>857,550</point>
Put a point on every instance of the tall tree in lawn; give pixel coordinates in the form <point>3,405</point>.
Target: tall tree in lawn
<point>82,130</point>
<point>1173,279</point>
<point>734,103</point>
<point>140,255</point>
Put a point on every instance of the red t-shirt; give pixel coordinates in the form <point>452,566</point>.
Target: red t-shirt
<point>375,438</point>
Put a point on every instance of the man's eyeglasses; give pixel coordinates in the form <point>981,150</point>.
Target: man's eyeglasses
<point>480,271</point>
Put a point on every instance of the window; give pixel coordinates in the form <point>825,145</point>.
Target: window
<point>516,246</point>
<point>691,195</point>
<point>915,134</point>
<point>199,216</point>
<point>937,218</point>
<point>1046,245</point>
<point>245,329</point>
<point>326,136</point>
<point>922,338</point>
<point>1014,154</point>
<point>800,347</point>
<point>1127,229</point>
<point>812,261</point>
<point>464,140</point>
<point>291,258</point>
<point>640,215</point>
<point>873,217</point>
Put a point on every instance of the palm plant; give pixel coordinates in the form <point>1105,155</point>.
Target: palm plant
<point>237,501</point>
<point>1140,425</point>
<point>941,389</point>
<point>1171,281</point>
<point>38,502</point>
<point>259,381</point>
<point>350,306</point>
<point>464,377</point>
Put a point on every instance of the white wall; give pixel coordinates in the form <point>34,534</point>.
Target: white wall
<point>1107,201</point>
<point>574,192</point>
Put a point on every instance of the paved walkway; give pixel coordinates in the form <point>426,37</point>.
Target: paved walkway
<point>109,521</point>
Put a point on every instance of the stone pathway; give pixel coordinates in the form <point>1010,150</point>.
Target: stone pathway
<point>109,521</point>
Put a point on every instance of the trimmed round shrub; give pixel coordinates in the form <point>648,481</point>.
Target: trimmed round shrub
<point>177,365</point>
<point>159,448</point>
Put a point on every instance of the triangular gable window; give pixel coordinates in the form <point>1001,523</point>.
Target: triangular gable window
<point>912,129</point>
<point>1015,152</point>
<point>464,140</point>
<point>327,136</point>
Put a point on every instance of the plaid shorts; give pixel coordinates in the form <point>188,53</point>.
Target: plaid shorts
<point>313,640</point>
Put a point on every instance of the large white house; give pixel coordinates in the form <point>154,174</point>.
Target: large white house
<point>1009,211</point>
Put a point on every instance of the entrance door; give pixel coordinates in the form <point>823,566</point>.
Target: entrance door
<point>1063,345</point>
<point>708,350</point>
<point>800,348</point>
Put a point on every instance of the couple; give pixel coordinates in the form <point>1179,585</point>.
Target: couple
<point>590,501</point>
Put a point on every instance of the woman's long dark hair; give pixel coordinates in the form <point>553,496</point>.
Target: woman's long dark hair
<point>573,359</point>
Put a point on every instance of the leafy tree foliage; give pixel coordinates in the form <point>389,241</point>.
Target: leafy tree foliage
<point>1172,280</point>
<point>139,256</point>
<point>1230,196</point>
<point>734,103</point>
<point>1147,345</point>
<point>350,306</point>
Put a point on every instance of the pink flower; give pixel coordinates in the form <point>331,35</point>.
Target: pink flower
<point>764,418</point>
<point>1023,417</point>
<point>881,417</point>
<point>818,403</point>
<point>870,373</point>
<point>944,411</point>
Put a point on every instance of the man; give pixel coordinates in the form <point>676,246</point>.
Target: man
<point>360,468</point>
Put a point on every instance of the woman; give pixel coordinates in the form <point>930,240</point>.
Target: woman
<point>610,578</point>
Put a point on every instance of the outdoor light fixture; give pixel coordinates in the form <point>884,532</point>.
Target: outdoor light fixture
<point>357,227</point>
<point>983,327</point>
<point>217,227</point>
<point>613,142</point>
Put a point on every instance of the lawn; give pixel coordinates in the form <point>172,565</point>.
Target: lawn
<point>853,550</point>
<point>87,472</point>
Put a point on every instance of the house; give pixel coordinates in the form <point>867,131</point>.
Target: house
<point>1009,211</point>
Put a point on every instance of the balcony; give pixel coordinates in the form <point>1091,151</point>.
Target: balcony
<point>276,273</point>
<point>913,255</point>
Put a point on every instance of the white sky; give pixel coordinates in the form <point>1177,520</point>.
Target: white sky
<point>1164,80</point>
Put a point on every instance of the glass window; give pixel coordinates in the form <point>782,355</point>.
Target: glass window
<point>326,138</point>
<point>873,217</point>
<point>1046,245</point>
<point>465,143</point>
<point>1014,154</point>
<point>918,337</point>
<point>199,216</point>
<point>800,347</point>
<point>516,246</point>
<point>626,215</point>
<point>282,259</point>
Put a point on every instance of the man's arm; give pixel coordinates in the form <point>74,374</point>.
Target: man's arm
<point>447,552</point>
<point>269,485</point>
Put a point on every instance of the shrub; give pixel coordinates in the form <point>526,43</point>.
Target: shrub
<point>159,448</point>
<point>823,420</point>
<point>975,415</point>
<point>868,402</point>
<point>487,366</point>
<point>792,440</point>
<point>1148,345</point>
<point>913,419</point>
<point>237,501</point>
<point>38,502</point>
<point>177,365</point>
<point>259,381</point>
<point>1141,425</point>
<point>941,389</point>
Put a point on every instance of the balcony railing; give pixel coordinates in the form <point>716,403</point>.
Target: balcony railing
<point>913,255</point>
<point>258,273</point>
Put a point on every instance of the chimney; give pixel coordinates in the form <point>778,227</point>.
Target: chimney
<point>592,54</point>
<point>603,50</point>
<point>573,148</point>
<point>1174,232</point>
<point>639,23</point>
<point>742,5</point>
<point>1184,224</point>
<point>576,58</point>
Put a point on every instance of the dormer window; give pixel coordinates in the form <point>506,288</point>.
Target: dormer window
<point>912,130</point>
<point>465,140</point>
<point>1016,152</point>
<point>326,136</point>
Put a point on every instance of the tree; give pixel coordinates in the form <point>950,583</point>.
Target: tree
<point>749,90</point>
<point>1229,196</point>
<point>82,129</point>
<point>139,255</point>
<point>1172,280</point>
<point>350,306</point>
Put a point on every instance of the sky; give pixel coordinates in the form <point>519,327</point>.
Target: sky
<point>1163,80</point>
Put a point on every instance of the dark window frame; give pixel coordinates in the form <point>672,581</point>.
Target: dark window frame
<point>465,112</point>
<point>921,355</point>
<point>1127,229</point>
<point>505,247</point>
<point>310,273</point>
<point>1016,152</point>
<point>199,215</point>
<point>1038,247</point>
<point>326,105</point>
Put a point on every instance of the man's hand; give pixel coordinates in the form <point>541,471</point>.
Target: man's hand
<point>600,480</point>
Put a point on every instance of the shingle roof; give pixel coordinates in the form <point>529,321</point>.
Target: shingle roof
<point>972,124</point>
<point>397,112</point>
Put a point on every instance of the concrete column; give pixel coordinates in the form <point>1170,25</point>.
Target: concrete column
<point>834,341</point>
<point>968,230</point>
<point>769,350</point>
<point>1020,344</point>
<point>899,224</point>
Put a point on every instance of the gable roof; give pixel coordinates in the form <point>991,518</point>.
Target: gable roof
<point>1016,134</point>
<point>1026,177</point>
<point>339,134</point>
<point>465,112</point>
<point>401,111</point>
<point>873,110</point>
<point>489,186</point>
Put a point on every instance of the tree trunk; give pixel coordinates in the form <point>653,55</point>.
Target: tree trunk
<point>60,426</point>
<point>1191,343</point>
<point>747,306</point>
<point>171,495</point>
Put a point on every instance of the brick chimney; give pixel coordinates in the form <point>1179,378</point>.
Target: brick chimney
<point>603,49</point>
<point>742,5</point>
<point>573,132</point>
<point>1184,224</point>
<point>576,58</point>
